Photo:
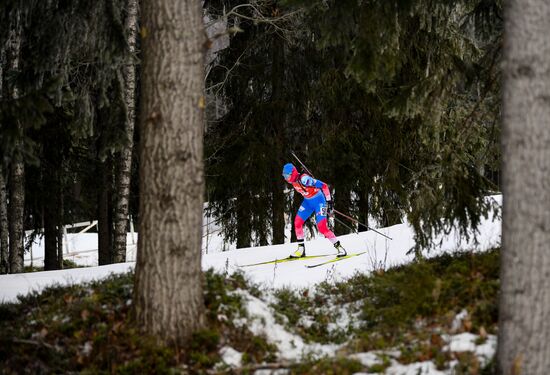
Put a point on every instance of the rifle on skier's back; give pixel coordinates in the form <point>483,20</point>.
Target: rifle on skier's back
<point>336,211</point>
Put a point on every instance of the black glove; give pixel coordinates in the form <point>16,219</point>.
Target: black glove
<point>330,208</point>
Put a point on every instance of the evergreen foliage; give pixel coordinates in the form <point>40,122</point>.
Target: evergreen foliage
<point>69,115</point>
<point>395,104</point>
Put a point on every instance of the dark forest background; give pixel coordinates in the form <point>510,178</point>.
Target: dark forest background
<point>395,104</point>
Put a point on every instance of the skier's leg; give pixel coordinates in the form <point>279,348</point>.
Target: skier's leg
<point>322,225</point>
<point>299,227</point>
<point>323,228</point>
<point>320,205</point>
<point>303,213</point>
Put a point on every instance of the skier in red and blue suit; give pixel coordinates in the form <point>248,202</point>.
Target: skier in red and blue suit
<point>317,199</point>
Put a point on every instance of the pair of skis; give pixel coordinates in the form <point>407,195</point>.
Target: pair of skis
<point>284,260</point>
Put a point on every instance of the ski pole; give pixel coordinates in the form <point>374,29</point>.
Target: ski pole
<point>360,223</point>
<point>303,165</point>
<point>344,224</point>
<point>344,215</point>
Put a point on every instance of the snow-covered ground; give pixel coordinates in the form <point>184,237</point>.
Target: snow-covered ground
<point>380,253</point>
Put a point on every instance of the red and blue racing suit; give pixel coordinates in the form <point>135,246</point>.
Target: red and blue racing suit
<point>316,193</point>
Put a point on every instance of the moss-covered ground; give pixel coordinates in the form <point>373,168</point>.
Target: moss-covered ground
<point>88,328</point>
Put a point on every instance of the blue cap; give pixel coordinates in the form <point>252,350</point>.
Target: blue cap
<point>287,170</point>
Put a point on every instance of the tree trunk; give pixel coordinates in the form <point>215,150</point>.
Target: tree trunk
<point>60,223</point>
<point>50,225</point>
<point>104,217</point>
<point>124,163</point>
<point>277,184</point>
<point>50,187</point>
<point>17,169</point>
<point>524,321</point>
<point>4,253</point>
<point>244,225</point>
<point>296,202</point>
<point>342,203</point>
<point>16,214</point>
<point>363,206</point>
<point>168,286</point>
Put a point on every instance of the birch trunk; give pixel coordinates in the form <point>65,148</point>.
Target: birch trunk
<point>168,287</point>
<point>17,168</point>
<point>124,163</point>
<point>524,321</point>
<point>15,212</point>
<point>4,251</point>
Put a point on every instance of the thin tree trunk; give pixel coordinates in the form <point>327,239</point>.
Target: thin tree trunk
<point>16,214</point>
<point>60,223</point>
<point>277,184</point>
<point>17,169</point>
<point>342,202</point>
<point>363,206</point>
<point>124,163</point>
<point>524,321</point>
<point>296,201</point>
<point>4,250</point>
<point>168,288</point>
<point>50,229</point>
<point>50,185</point>
<point>104,222</point>
<point>244,225</point>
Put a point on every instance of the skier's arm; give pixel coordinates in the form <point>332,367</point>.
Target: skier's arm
<point>310,181</point>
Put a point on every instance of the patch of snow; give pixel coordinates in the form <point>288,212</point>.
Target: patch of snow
<point>231,357</point>
<point>291,346</point>
<point>463,342</point>
<point>23,283</point>
<point>419,368</point>
<point>486,351</point>
<point>272,372</point>
<point>459,318</point>
<point>367,359</point>
<point>87,349</point>
<point>466,342</point>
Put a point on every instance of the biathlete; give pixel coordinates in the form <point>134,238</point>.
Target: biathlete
<point>317,199</point>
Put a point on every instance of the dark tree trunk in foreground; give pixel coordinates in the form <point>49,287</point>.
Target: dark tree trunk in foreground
<point>524,322</point>
<point>124,162</point>
<point>168,287</point>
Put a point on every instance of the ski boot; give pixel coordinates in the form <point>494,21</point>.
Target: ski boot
<point>300,253</point>
<point>341,251</point>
